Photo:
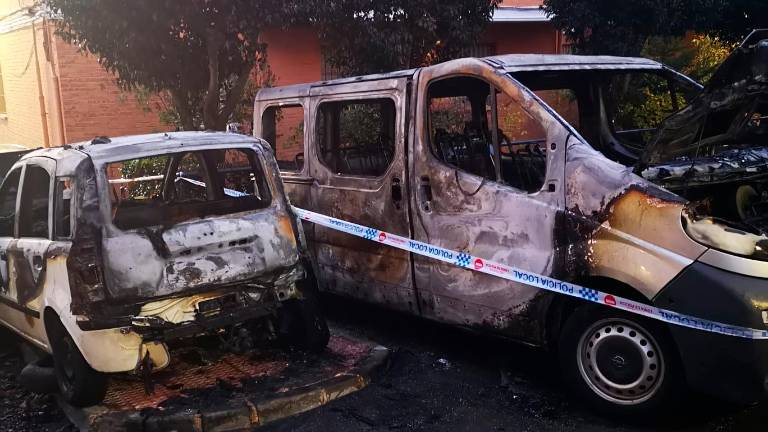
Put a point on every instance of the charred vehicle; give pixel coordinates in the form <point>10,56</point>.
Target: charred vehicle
<point>618,174</point>
<point>113,249</point>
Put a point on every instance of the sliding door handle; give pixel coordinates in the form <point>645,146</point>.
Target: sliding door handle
<point>397,192</point>
<point>425,193</point>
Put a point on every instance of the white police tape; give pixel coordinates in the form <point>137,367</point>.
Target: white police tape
<point>471,262</point>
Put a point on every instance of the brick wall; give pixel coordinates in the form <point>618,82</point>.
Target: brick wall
<point>21,124</point>
<point>520,3</point>
<point>293,54</point>
<point>523,38</point>
<point>93,104</point>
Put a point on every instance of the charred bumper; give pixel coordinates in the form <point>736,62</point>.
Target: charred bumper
<point>727,367</point>
<point>221,312</point>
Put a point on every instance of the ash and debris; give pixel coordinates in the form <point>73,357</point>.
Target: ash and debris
<point>439,379</point>
<point>21,410</point>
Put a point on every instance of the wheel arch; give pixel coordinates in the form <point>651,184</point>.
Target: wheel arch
<point>563,306</point>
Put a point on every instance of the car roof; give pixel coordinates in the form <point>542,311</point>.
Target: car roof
<point>508,62</point>
<point>106,147</point>
<point>130,146</point>
<point>537,62</point>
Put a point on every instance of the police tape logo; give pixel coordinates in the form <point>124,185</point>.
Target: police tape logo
<point>610,300</point>
<point>382,236</point>
<point>370,233</point>
<point>479,264</point>
<point>462,259</point>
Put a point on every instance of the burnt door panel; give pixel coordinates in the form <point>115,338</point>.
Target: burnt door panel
<point>488,186</point>
<point>8,197</point>
<point>27,263</point>
<point>27,256</point>
<point>358,163</point>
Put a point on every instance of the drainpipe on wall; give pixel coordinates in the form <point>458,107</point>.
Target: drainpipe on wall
<point>52,57</point>
<point>41,99</point>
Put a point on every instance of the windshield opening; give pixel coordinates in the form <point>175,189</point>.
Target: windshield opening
<point>638,102</point>
<point>619,112</point>
<point>169,189</point>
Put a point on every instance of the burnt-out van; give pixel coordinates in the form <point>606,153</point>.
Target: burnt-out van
<point>113,250</point>
<point>617,174</point>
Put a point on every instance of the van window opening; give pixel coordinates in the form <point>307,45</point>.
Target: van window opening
<point>283,128</point>
<point>169,189</point>
<point>462,114</point>
<point>357,137</point>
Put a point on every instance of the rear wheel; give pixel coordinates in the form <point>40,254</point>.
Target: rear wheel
<point>79,384</point>
<point>617,362</point>
<point>301,322</point>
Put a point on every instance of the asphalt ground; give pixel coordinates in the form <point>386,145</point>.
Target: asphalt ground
<point>446,379</point>
<point>439,379</point>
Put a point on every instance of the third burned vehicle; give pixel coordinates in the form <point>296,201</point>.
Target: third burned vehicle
<point>618,174</point>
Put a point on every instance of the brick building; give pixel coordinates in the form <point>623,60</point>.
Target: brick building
<point>518,26</point>
<point>50,94</point>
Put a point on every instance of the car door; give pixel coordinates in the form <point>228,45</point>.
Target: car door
<point>27,255</point>
<point>490,185</point>
<point>358,166</point>
<point>8,201</point>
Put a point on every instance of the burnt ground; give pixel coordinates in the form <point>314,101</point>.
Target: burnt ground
<point>444,379</point>
<point>19,409</point>
<point>440,379</point>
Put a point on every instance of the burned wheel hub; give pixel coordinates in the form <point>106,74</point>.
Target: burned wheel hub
<point>620,361</point>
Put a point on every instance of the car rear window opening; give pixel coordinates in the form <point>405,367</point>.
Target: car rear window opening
<point>167,189</point>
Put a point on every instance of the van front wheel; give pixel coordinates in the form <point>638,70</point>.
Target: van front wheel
<point>79,384</point>
<point>617,362</point>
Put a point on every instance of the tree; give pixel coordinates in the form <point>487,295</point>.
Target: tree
<point>200,52</point>
<point>733,20</point>
<point>601,27</point>
<point>372,36</point>
<point>695,55</point>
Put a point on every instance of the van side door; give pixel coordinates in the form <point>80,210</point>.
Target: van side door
<point>359,170</point>
<point>487,165</point>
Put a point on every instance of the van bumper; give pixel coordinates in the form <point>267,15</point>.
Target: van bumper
<point>727,367</point>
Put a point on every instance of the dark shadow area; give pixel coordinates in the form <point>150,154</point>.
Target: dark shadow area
<point>448,379</point>
<point>21,410</point>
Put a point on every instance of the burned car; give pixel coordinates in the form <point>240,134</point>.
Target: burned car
<point>112,249</point>
<point>617,174</point>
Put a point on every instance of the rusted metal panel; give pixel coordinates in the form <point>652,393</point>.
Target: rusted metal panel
<point>353,266</point>
<point>616,217</point>
<point>498,222</point>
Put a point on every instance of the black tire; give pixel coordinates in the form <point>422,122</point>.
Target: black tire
<point>79,384</point>
<point>620,364</point>
<point>302,324</point>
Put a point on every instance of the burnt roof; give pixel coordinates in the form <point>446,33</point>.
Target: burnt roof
<point>132,146</point>
<point>508,62</point>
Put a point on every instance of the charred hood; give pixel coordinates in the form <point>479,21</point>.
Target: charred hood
<point>730,114</point>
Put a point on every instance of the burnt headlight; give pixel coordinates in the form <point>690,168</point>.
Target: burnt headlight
<point>723,237</point>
